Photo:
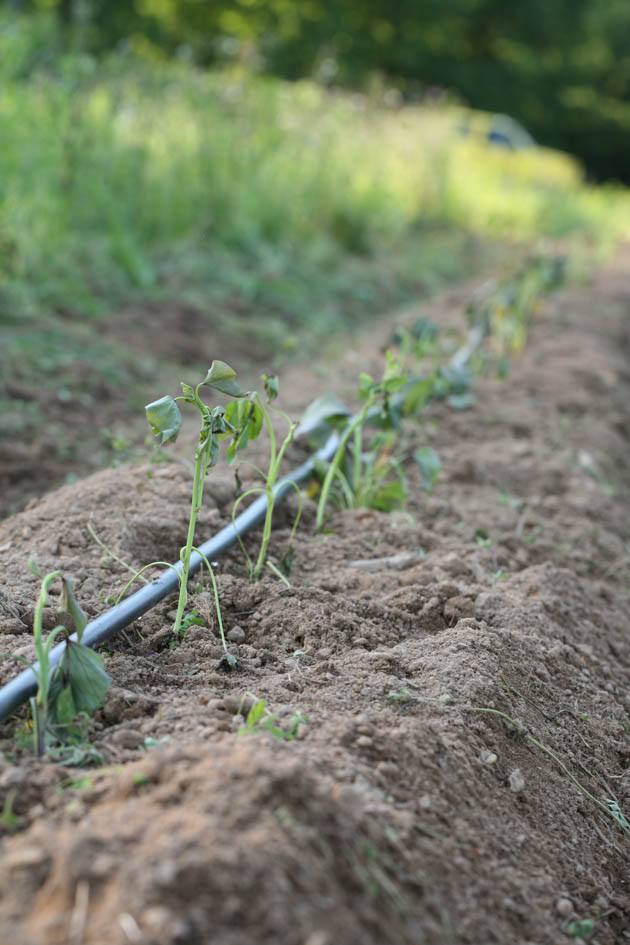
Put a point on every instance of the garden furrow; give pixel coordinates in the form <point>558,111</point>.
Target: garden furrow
<point>408,808</point>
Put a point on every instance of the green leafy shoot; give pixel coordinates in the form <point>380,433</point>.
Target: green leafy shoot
<point>259,719</point>
<point>583,929</point>
<point>250,417</point>
<point>76,686</point>
<point>366,476</point>
<point>164,419</point>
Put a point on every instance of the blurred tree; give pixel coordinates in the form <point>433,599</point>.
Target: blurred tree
<point>562,67</point>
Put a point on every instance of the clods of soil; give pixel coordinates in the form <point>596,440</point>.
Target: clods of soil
<point>449,755</point>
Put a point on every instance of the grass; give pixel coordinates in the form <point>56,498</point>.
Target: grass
<point>126,177</point>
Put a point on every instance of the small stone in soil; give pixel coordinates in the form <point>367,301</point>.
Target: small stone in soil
<point>236,635</point>
<point>564,907</point>
<point>516,781</point>
<point>127,738</point>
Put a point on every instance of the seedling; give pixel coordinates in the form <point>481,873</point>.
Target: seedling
<point>77,685</point>
<point>507,311</point>
<point>400,697</point>
<point>373,478</point>
<point>259,719</point>
<point>581,928</point>
<point>165,420</point>
<point>249,417</point>
<point>482,538</point>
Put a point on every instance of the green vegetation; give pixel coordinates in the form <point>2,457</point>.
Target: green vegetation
<point>371,479</point>
<point>560,68</point>
<point>122,177</point>
<point>142,199</point>
<point>249,417</point>
<point>260,719</point>
<point>165,421</point>
<point>69,693</point>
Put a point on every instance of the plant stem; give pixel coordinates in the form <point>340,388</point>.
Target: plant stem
<point>275,459</point>
<point>201,465</point>
<point>39,704</point>
<point>217,601</point>
<point>357,452</point>
<point>335,463</point>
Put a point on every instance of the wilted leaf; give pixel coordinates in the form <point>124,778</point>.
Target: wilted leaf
<point>165,419</point>
<point>70,605</point>
<point>246,417</point>
<point>272,386</point>
<point>83,672</point>
<point>430,466</point>
<point>222,377</point>
<point>325,410</point>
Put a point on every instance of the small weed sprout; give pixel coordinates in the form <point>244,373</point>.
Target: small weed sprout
<point>250,416</point>
<point>165,421</point>
<point>260,719</point>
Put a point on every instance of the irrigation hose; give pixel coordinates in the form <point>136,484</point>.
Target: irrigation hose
<point>102,628</point>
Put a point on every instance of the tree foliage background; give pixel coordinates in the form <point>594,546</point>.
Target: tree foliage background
<point>561,67</point>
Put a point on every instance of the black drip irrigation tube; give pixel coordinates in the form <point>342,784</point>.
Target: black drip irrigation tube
<point>98,631</point>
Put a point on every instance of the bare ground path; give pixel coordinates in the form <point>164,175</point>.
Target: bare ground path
<point>404,811</point>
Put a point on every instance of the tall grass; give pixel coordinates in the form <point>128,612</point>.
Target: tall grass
<point>127,175</point>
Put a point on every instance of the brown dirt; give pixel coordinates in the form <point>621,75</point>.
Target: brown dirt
<point>402,812</point>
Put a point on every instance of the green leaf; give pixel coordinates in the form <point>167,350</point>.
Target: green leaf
<point>256,713</point>
<point>34,568</point>
<point>222,377</point>
<point>390,496</point>
<point>393,375</point>
<point>65,710</point>
<point>366,385</point>
<point>83,672</point>
<point>430,466</point>
<point>417,394</point>
<point>165,419</point>
<point>70,605</point>
<point>581,928</point>
<point>461,401</point>
<point>246,418</point>
<point>272,386</point>
<point>325,410</point>
<point>453,380</point>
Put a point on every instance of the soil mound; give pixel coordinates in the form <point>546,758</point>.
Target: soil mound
<point>449,686</point>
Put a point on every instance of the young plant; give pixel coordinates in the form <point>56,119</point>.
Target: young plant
<point>250,416</point>
<point>165,420</point>
<point>260,719</point>
<point>366,477</point>
<point>76,686</point>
